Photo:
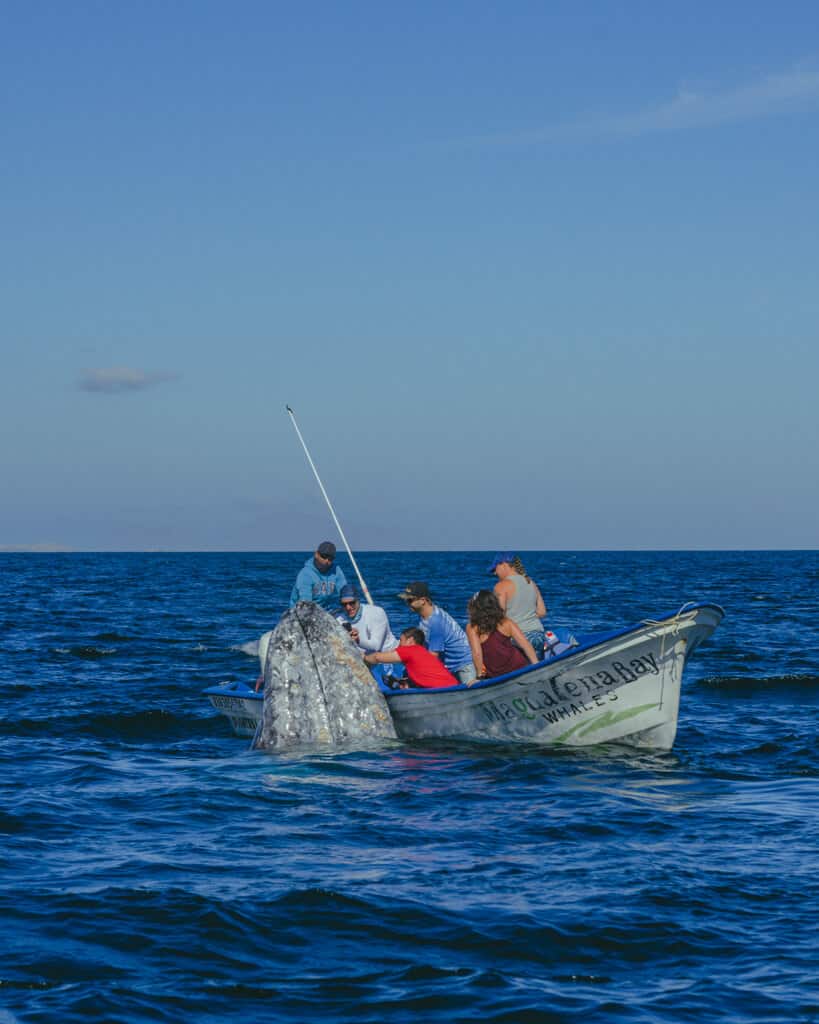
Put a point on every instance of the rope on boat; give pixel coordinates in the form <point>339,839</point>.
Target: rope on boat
<point>675,621</point>
<point>675,618</point>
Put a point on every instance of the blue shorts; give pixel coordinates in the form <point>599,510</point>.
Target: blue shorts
<point>536,638</point>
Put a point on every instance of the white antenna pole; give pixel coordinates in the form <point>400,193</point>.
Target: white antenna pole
<point>330,506</point>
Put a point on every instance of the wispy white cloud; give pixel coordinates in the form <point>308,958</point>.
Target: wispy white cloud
<point>783,93</point>
<point>775,94</point>
<point>117,379</point>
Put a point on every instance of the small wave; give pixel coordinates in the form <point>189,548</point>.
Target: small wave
<point>113,637</point>
<point>137,724</point>
<point>16,689</point>
<point>88,652</point>
<point>770,747</point>
<point>148,726</point>
<point>743,684</point>
<point>790,753</point>
<point>10,824</point>
<point>251,648</point>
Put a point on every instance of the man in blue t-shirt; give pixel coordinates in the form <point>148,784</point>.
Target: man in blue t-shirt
<point>321,579</point>
<point>444,636</point>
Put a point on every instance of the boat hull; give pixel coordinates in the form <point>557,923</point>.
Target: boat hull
<point>239,704</point>
<point>623,688</point>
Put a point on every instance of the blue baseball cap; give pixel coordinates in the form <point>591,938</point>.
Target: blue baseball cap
<point>348,593</point>
<point>502,556</point>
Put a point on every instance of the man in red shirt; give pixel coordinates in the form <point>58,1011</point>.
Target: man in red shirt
<point>423,668</point>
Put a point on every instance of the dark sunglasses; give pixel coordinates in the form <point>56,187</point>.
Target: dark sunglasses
<point>349,604</point>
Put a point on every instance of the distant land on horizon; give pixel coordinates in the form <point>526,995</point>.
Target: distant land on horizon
<point>45,549</point>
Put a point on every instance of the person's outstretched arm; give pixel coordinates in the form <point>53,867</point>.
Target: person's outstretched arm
<point>381,658</point>
<point>477,650</point>
<point>540,607</point>
<point>515,632</point>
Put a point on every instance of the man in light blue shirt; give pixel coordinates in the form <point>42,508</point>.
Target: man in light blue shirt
<point>321,580</point>
<point>444,636</point>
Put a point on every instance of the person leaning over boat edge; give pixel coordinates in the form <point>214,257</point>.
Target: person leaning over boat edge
<point>498,644</point>
<point>320,580</point>
<point>368,624</point>
<point>520,598</point>
<point>444,636</point>
<point>424,669</point>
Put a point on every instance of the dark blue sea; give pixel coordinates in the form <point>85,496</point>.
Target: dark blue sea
<point>152,868</point>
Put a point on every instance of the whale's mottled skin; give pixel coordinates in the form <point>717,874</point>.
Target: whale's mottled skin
<point>317,689</point>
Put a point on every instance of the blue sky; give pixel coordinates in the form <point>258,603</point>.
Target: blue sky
<point>536,275</point>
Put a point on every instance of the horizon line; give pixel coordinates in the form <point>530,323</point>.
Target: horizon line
<point>61,550</point>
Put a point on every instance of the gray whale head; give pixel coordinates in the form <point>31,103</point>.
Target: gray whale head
<point>317,689</point>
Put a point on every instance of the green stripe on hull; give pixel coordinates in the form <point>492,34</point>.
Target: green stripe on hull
<point>607,718</point>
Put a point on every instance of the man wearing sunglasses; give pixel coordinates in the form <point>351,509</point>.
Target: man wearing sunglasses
<point>444,637</point>
<point>321,580</point>
<point>368,624</point>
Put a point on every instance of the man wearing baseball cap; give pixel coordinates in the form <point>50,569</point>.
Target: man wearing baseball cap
<point>321,580</point>
<point>444,636</point>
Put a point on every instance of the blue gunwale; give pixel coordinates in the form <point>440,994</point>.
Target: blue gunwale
<point>239,689</point>
<point>593,640</point>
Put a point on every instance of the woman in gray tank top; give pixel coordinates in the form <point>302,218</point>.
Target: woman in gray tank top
<point>520,598</point>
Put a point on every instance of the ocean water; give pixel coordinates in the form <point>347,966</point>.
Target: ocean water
<point>152,868</point>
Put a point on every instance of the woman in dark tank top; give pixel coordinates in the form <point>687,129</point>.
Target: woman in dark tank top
<point>500,656</point>
<point>497,643</point>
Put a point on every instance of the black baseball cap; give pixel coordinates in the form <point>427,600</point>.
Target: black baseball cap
<point>413,590</point>
<point>327,549</point>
